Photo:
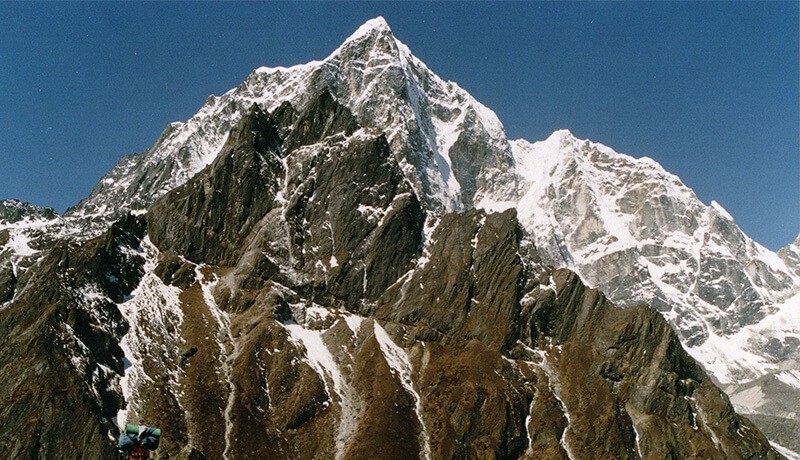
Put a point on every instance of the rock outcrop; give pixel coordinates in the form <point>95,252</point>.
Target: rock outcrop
<point>13,211</point>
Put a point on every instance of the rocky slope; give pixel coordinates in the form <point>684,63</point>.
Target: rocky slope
<point>304,274</point>
<point>295,300</point>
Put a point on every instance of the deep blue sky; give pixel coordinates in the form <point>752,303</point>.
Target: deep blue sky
<point>709,90</point>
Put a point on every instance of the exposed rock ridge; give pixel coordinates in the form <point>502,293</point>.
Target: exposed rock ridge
<point>13,211</point>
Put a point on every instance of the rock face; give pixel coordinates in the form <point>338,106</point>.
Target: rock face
<point>61,355</point>
<point>13,211</point>
<point>305,274</point>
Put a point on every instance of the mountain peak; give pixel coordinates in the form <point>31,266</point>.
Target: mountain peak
<point>375,26</point>
<point>374,36</point>
<point>560,139</point>
<point>561,134</point>
<point>378,23</point>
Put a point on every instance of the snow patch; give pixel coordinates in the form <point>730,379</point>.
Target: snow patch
<point>398,361</point>
<point>153,309</point>
<point>637,439</point>
<point>788,453</point>
<point>319,357</point>
<point>791,378</point>
<point>354,323</point>
<point>223,334</point>
<point>528,420</point>
<point>18,243</point>
<point>491,205</point>
<point>555,389</point>
<point>323,362</point>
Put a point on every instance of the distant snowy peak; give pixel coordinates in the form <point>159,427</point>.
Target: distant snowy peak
<point>452,148</point>
<point>603,198</point>
<point>637,201</point>
<point>639,234</point>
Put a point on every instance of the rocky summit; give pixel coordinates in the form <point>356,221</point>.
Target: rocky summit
<point>349,259</point>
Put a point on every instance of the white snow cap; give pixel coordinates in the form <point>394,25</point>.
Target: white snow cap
<point>378,25</point>
<point>560,139</point>
<point>561,134</point>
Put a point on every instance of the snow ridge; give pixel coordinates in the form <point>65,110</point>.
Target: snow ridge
<point>224,334</point>
<point>320,358</point>
<point>153,309</point>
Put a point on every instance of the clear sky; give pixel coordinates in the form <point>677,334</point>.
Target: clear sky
<point>709,90</point>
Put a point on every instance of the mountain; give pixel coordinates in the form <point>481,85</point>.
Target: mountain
<point>451,147</point>
<point>641,236</point>
<point>312,266</point>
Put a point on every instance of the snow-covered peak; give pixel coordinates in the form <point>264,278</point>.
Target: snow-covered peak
<point>560,138</point>
<point>639,234</point>
<point>371,28</point>
<point>374,35</point>
<point>370,32</point>
<point>452,148</point>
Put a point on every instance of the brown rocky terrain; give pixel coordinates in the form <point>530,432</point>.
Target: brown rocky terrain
<point>296,300</point>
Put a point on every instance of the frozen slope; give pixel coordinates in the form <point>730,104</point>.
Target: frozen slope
<point>639,234</point>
